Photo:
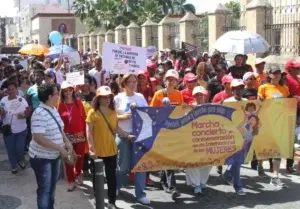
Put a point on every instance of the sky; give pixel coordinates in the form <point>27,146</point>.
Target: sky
<point>7,9</point>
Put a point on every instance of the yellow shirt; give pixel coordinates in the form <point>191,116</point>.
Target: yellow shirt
<point>202,83</point>
<point>86,106</point>
<point>104,141</point>
<point>270,91</point>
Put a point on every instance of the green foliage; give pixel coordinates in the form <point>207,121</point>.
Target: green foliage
<point>235,7</point>
<point>111,13</point>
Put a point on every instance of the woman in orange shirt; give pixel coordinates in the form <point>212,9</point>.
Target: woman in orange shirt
<point>166,97</point>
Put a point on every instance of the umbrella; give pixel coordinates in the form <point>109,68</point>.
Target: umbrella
<point>241,42</point>
<point>34,49</point>
<point>69,54</point>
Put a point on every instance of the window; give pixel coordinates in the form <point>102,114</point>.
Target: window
<point>277,41</point>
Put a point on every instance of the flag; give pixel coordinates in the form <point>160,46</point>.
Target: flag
<point>190,49</point>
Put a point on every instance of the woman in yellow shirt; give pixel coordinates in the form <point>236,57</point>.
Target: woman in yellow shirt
<point>102,125</point>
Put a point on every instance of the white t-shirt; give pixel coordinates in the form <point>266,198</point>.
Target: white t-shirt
<point>232,99</point>
<point>297,134</point>
<point>43,123</point>
<point>97,75</point>
<point>17,125</point>
<point>122,104</point>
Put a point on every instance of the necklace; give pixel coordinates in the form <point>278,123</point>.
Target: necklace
<point>69,112</point>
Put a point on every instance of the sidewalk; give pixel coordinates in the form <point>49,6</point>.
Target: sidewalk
<point>19,191</point>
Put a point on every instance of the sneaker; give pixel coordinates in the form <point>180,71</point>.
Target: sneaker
<point>22,165</point>
<point>198,189</point>
<point>175,194</point>
<point>203,186</point>
<point>260,171</point>
<point>290,170</point>
<point>14,171</point>
<point>149,182</point>
<point>241,192</point>
<point>220,170</point>
<point>164,187</point>
<point>277,182</point>
<point>144,201</point>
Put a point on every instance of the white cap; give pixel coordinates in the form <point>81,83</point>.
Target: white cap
<point>200,89</point>
<point>103,91</point>
<point>172,73</point>
<point>66,84</point>
<point>259,61</point>
<point>248,75</point>
<point>237,82</point>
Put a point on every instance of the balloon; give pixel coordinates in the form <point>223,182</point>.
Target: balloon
<point>166,101</point>
<point>55,38</point>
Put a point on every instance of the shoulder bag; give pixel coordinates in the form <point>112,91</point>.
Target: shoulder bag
<point>6,129</point>
<point>72,158</point>
<point>107,123</point>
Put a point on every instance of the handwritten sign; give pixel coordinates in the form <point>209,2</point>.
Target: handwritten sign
<point>15,106</point>
<point>75,78</point>
<point>123,59</point>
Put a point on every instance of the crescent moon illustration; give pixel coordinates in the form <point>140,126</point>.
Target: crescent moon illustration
<point>146,131</point>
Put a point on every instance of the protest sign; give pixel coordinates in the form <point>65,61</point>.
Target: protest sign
<point>75,78</point>
<point>123,59</point>
<point>15,106</point>
<point>212,134</point>
<point>190,49</point>
<point>151,50</point>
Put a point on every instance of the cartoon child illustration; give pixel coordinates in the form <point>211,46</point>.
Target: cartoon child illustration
<point>251,109</point>
<point>249,127</point>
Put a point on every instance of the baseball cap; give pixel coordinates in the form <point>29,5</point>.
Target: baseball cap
<point>189,77</point>
<point>247,75</point>
<point>103,91</point>
<point>200,89</point>
<point>273,69</point>
<point>66,84</point>
<point>226,79</point>
<point>152,66</point>
<point>292,64</point>
<point>237,82</point>
<point>172,73</point>
<point>144,72</point>
<point>259,61</point>
<point>49,72</point>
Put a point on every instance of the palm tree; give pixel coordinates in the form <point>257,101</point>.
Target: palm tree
<point>83,8</point>
<point>181,7</point>
<point>148,9</point>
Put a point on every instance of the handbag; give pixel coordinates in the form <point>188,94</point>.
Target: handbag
<point>72,157</point>
<point>76,138</point>
<point>107,123</point>
<point>6,129</point>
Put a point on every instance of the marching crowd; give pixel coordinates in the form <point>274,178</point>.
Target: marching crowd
<point>82,123</point>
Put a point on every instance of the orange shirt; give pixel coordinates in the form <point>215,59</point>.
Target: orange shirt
<point>260,79</point>
<point>175,98</point>
<point>270,91</point>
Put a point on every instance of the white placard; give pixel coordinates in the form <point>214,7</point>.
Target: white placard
<point>123,59</point>
<point>15,106</point>
<point>75,78</point>
<point>151,50</point>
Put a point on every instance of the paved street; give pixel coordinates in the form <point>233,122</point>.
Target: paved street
<point>18,192</point>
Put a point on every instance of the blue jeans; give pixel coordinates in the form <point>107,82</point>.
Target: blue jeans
<point>234,171</point>
<point>15,144</point>
<point>47,175</point>
<point>123,168</point>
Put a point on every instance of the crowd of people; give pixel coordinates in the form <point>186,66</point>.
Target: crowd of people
<point>82,123</point>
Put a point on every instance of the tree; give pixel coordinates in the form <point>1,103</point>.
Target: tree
<point>181,7</point>
<point>236,9</point>
<point>148,9</point>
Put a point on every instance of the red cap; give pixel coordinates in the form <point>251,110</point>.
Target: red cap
<point>152,66</point>
<point>226,79</point>
<point>292,64</point>
<point>189,77</point>
<point>144,72</point>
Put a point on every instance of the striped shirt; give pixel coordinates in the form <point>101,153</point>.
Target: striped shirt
<point>43,123</point>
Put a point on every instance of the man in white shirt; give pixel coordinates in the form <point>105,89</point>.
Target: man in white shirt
<point>98,73</point>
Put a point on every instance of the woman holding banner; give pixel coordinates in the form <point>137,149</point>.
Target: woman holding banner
<point>166,97</point>
<point>198,177</point>
<point>124,101</point>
